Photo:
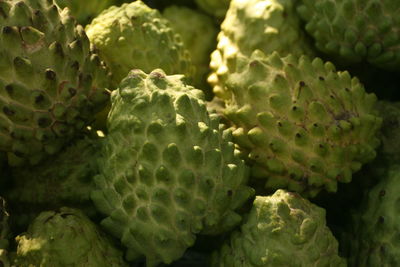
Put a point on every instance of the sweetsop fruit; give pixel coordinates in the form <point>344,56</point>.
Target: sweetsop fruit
<point>376,226</point>
<point>51,81</point>
<point>4,234</point>
<point>283,229</point>
<point>134,35</point>
<point>255,24</point>
<point>191,24</point>
<point>168,170</point>
<point>217,8</point>
<point>352,31</point>
<point>66,180</point>
<point>84,11</point>
<point>66,237</point>
<point>301,124</point>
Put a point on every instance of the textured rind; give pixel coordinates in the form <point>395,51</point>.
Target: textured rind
<point>283,229</point>
<point>135,36</point>
<point>374,237</point>
<point>169,170</point>
<point>191,24</point>
<point>255,24</point>
<point>84,11</point>
<point>217,8</point>
<point>301,124</point>
<point>355,30</point>
<point>51,81</point>
<point>390,133</point>
<point>65,180</point>
<point>66,237</point>
<point>4,234</point>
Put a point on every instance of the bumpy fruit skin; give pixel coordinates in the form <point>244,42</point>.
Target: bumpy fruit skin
<point>169,171</point>
<point>217,8</point>
<point>191,25</point>
<point>301,124</point>
<point>51,82</point>
<point>376,224</point>
<point>66,237</point>
<point>353,31</point>
<point>4,234</point>
<point>283,229</point>
<point>135,36</point>
<point>84,11</point>
<point>66,180</point>
<point>255,24</point>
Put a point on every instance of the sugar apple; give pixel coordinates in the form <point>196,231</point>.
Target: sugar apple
<point>136,36</point>
<point>352,31</point>
<point>51,82</point>
<point>283,229</point>
<point>216,8</point>
<point>168,170</point>
<point>255,24</point>
<point>191,24</point>
<point>4,234</point>
<point>66,237</point>
<point>84,11</point>
<point>66,180</point>
<point>376,224</point>
<point>301,124</point>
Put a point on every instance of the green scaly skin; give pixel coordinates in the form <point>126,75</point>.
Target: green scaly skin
<point>168,169</point>
<point>86,10</point>
<point>372,238</point>
<point>283,229</point>
<point>352,31</point>
<point>301,124</point>
<point>255,24</point>
<point>135,36</point>
<point>51,82</point>
<point>191,24</point>
<point>66,237</point>
<point>65,180</point>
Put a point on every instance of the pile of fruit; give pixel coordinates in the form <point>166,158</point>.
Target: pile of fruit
<point>222,133</point>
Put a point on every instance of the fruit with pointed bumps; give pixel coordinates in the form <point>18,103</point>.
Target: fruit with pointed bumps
<point>84,11</point>
<point>168,170</point>
<point>4,234</point>
<point>352,31</point>
<point>255,24</point>
<point>301,124</point>
<point>376,226</point>
<point>66,180</point>
<point>283,229</point>
<point>66,237</point>
<point>217,8</point>
<point>51,82</point>
<point>191,24</point>
<point>135,36</point>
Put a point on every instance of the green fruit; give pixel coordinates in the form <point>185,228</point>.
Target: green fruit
<point>217,8</point>
<point>168,170</point>
<point>353,31</point>
<point>51,82</point>
<point>191,24</point>
<point>84,11</point>
<point>255,24</point>
<point>135,36</point>
<point>301,124</point>
<point>376,225</point>
<point>66,180</point>
<point>66,237</point>
<point>4,234</point>
<point>281,230</point>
